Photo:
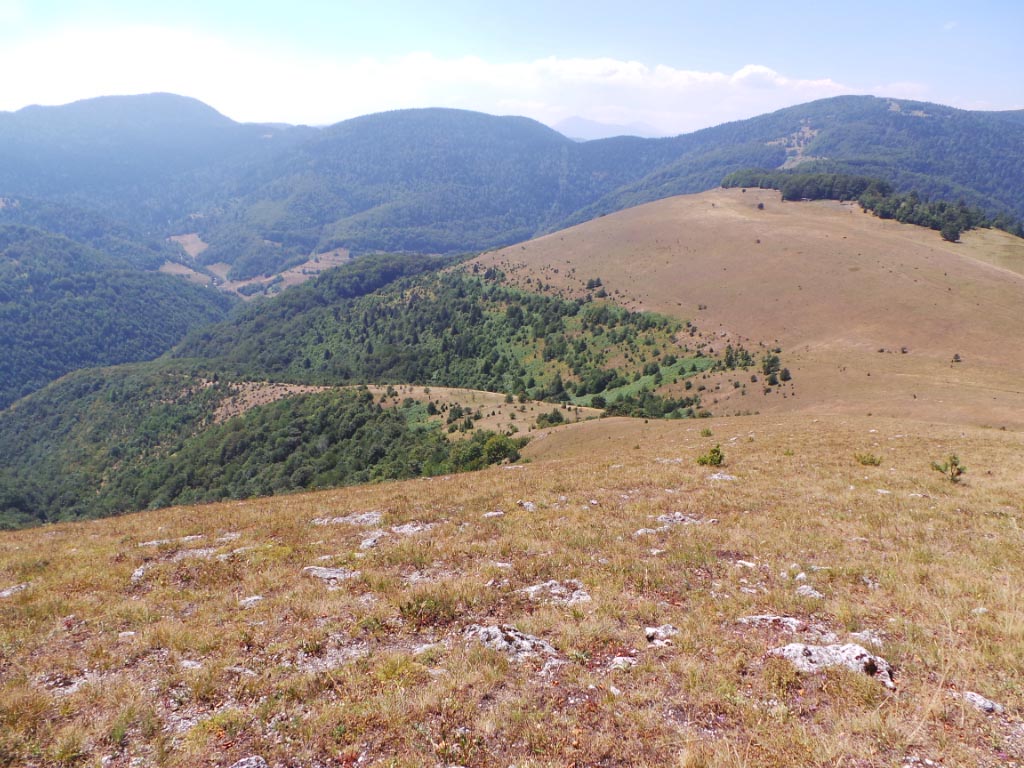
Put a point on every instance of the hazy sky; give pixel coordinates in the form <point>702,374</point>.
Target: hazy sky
<point>674,66</point>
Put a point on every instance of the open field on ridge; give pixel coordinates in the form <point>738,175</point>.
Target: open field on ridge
<point>842,292</point>
<point>198,636</point>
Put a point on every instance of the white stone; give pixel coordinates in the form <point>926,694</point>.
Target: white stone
<point>356,518</point>
<point>373,539</point>
<point>410,529</point>
<point>11,591</point>
<point>721,476</point>
<point>495,513</point>
<point>330,575</point>
<point>249,602</point>
<point>251,762</point>
<point>814,658</point>
<point>985,705</point>
<point>623,663</point>
<point>806,590</point>
<point>661,636</point>
<point>529,506</point>
<point>569,592</point>
<point>509,640</point>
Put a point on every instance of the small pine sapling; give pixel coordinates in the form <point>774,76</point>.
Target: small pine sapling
<point>713,458</point>
<point>951,468</point>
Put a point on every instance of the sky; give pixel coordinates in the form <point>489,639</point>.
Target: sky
<point>670,67</point>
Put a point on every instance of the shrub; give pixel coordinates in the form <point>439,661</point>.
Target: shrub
<point>868,459</point>
<point>713,458</point>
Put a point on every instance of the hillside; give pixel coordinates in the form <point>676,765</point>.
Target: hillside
<point>65,305</point>
<point>267,198</point>
<point>870,313</point>
<point>377,625</point>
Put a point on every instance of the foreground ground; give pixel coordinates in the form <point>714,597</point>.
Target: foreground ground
<point>194,636</point>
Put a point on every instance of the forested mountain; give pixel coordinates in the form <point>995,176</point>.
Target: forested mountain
<point>65,306</point>
<point>449,181</point>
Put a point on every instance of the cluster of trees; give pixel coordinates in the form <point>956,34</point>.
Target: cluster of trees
<point>144,436</point>
<point>65,306</point>
<point>877,196</point>
<point>387,319</point>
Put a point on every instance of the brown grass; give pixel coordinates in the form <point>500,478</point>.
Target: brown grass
<point>173,670</point>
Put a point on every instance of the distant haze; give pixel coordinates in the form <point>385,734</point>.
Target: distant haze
<point>652,68</point>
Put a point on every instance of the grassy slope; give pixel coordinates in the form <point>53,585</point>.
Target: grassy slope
<point>830,284</point>
<point>173,670</point>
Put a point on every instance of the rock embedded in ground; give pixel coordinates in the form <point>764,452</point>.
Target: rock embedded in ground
<point>509,640</point>
<point>790,624</point>
<point>622,663</point>
<point>356,518</point>
<point>249,602</point>
<point>12,591</point>
<point>331,576</point>
<point>410,529</point>
<point>254,761</point>
<point>806,590</point>
<point>815,658</point>
<point>373,539</point>
<point>985,705</point>
<point>661,636</point>
<point>569,592</point>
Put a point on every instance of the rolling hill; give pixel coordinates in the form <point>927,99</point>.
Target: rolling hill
<point>870,313</point>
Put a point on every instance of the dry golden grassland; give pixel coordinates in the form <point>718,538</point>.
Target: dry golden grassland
<point>141,639</point>
<point>869,313</point>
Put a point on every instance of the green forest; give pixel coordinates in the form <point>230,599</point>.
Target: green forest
<point>875,195</point>
<point>65,306</point>
<point>105,441</point>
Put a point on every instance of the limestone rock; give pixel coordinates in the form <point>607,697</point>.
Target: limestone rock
<point>332,576</point>
<point>792,625</point>
<point>570,592</point>
<point>980,702</point>
<point>815,658</point>
<point>11,591</point>
<point>661,636</point>
<point>509,640</point>
<point>251,762</point>
<point>356,518</point>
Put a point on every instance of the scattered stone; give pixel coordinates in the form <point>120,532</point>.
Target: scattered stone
<point>127,635</point>
<point>661,636</point>
<point>551,667</point>
<point>495,513</point>
<point>980,611</point>
<point>792,625</point>
<point>12,591</point>
<point>800,577</point>
<point>332,576</point>
<point>745,564</point>
<point>649,531</point>
<point>869,636</point>
<point>410,529</point>
<point>140,573</point>
<point>249,602</point>
<point>190,664</point>
<point>570,592</point>
<point>529,506</point>
<point>336,656</point>
<point>509,640</point>
<point>254,761</point>
<point>155,543</point>
<point>870,582</point>
<point>914,760</point>
<point>240,671</point>
<point>623,663</point>
<point>187,554</point>
<point>614,691</point>
<point>357,518</point>
<point>814,658</point>
<point>806,590</point>
<point>669,461</point>
<point>882,492</point>
<point>721,476</point>
<point>678,518</point>
<point>373,539</point>
<point>229,537</point>
<point>983,704</point>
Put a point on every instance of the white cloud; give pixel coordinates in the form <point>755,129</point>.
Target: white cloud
<point>259,83</point>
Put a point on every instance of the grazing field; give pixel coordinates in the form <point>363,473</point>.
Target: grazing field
<point>379,625</point>
<point>870,314</point>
